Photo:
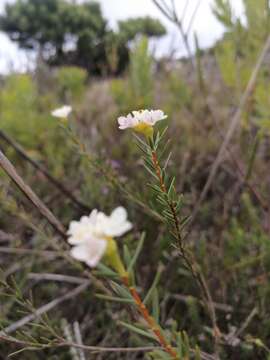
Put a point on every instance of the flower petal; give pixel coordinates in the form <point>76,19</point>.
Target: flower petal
<point>90,252</point>
<point>119,214</point>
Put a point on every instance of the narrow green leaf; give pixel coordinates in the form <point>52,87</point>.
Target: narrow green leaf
<point>167,214</point>
<point>167,161</point>
<point>150,171</point>
<point>179,343</point>
<point>137,252</point>
<point>138,330</point>
<point>149,163</point>
<point>163,133</point>
<point>106,271</point>
<point>149,294</point>
<point>155,305</point>
<point>184,221</point>
<point>114,298</point>
<point>142,149</point>
<point>186,344</point>
<point>140,140</point>
<point>152,143</point>
<point>121,291</point>
<point>159,354</point>
<point>127,255</point>
<point>171,188</point>
<point>197,353</point>
<point>164,149</point>
<point>155,188</point>
<point>128,258</point>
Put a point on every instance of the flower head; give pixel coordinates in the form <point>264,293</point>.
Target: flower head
<point>62,112</point>
<point>141,121</point>
<point>92,236</point>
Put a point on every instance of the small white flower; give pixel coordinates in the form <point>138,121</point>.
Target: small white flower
<point>139,118</point>
<point>62,112</point>
<point>112,226</point>
<point>90,251</point>
<point>90,235</point>
<point>79,231</point>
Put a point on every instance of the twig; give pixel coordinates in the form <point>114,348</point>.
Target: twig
<point>29,193</point>
<point>232,127</point>
<point>155,328</point>
<point>56,277</point>
<point>247,321</point>
<point>173,17</point>
<point>95,349</point>
<point>190,263</point>
<point>193,17</point>
<point>78,338</point>
<point>23,251</point>
<point>69,336</point>
<point>45,308</point>
<point>5,237</point>
<point>163,9</point>
<point>19,149</point>
<point>233,338</point>
<point>185,298</point>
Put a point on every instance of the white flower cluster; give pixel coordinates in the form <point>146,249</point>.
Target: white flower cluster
<point>137,118</point>
<point>90,235</point>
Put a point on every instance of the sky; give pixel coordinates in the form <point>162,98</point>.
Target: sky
<point>207,28</point>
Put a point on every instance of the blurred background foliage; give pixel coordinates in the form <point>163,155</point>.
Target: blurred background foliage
<point>231,235</point>
<point>68,33</point>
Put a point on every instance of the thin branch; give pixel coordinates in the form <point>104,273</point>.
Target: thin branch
<point>189,260</point>
<point>45,308</point>
<point>69,337</point>
<point>163,11</point>
<point>173,9</point>
<point>247,321</point>
<point>183,15</point>
<point>78,338</point>
<point>95,349</point>
<point>56,277</point>
<point>23,251</point>
<point>193,17</point>
<point>179,24</point>
<point>218,306</point>
<point>232,127</point>
<point>29,193</point>
<point>19,149</point>
<point>5,237</point>
<point>152,324</point>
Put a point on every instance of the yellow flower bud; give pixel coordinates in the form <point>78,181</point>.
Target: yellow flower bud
<point>113,258</point>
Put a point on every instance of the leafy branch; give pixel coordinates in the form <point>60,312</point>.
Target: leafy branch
<point>171,204</point>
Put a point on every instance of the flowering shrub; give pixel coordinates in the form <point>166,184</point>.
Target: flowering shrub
<point>175,272</point>
<point>92,237</point>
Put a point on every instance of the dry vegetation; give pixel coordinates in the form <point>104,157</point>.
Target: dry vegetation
<point>218,126</point>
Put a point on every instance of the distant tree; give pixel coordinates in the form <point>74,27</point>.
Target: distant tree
<point>67,33</point>
<point>147,26</point>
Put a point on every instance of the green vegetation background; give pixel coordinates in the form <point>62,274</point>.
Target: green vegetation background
<point>231,235</point>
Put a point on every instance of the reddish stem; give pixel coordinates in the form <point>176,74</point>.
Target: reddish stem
<point>150,320</point>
